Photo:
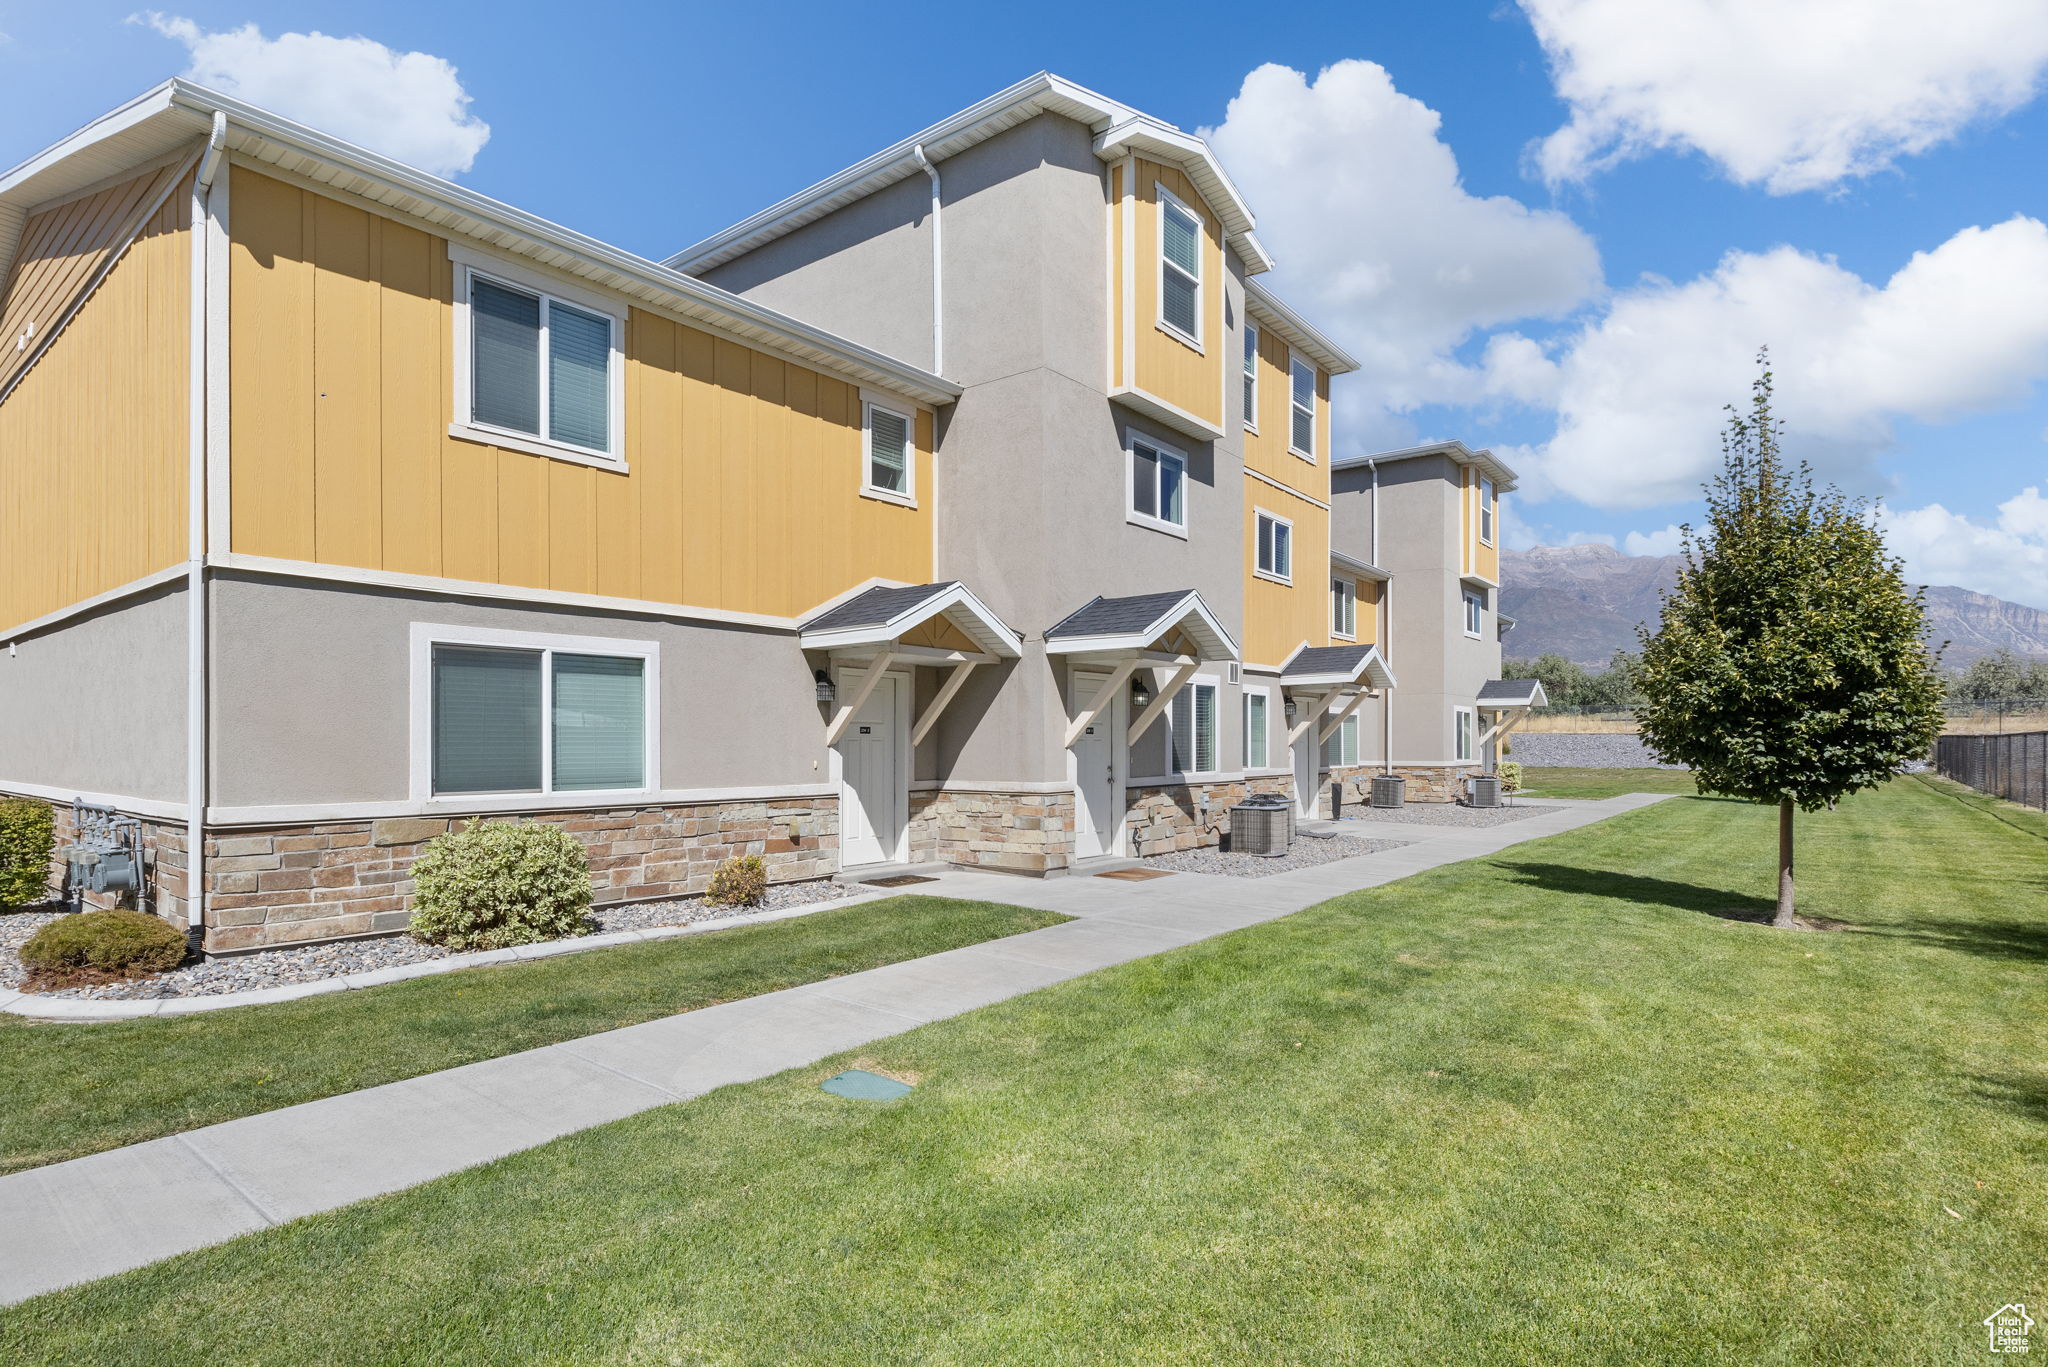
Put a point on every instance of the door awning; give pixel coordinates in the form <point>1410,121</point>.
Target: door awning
<point>1507,695</point>
<point>1322,668</point>
<point>1177,622</point>
<point>921,617</point>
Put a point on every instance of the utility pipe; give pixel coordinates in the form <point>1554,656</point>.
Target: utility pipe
<point>195,542</point>
<point>938,265</point>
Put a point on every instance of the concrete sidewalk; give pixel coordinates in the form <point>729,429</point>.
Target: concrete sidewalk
<point>92,1217</point>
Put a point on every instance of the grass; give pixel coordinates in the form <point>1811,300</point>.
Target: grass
<point>1560,782</point>
<point>76,1089</point>
<point>1552,1106</point>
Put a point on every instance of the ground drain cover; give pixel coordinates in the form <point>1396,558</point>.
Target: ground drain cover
<point>862,1085</point>
<point>901,880</point>
<point>1136,875</point>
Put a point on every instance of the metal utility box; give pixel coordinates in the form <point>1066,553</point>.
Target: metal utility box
<point>1483,790</point>
<point>1262,824</point>
<point>1389,790</point>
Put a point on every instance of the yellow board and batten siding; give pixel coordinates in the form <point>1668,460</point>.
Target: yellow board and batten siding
<point>1143,354</point>
<point>1280,617</point>
<point>743,470</point>
<point>1479,559</point>
<point>94,444</point>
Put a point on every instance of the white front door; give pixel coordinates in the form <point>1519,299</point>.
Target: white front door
<point>873,778</point>
<point>1096,808</point>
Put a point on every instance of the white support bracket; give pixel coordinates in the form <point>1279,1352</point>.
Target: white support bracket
<point>1116,680</point>
<point>1509,721</point>
<point>939,703</point>
<point>876,669</point>
<point>1357,700</point>
<point>1159,704</point>
<point>1308,708</point>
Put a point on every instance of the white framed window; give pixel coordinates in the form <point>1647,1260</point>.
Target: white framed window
<point>1463,722</point>
<point>1180,268</point>
<point>1341,749</point>
<point>507,713</point>
<point>1275,553</point>
<point>1156,479</point>
<point>1251,377</point>
<point>1258,724</point>
<point>889,454</point>
<point>1486,506</point>
<point>539,366</point>
<point>1344,608</point>
<point>1191,728</point>
<point>1475,612</point>
<point>1301,431</point>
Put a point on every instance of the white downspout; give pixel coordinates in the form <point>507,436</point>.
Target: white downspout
<point>195,545</point>
<point>938,266</point>
<point>1386,606</point>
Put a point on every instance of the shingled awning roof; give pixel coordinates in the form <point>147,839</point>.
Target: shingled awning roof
<point>1499,694</point>
<point>884,612</point>
<point>1337,666</point>
<point>1137,621</point>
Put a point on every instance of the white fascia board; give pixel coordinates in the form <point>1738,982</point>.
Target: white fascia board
<point>1504,478</point>
<point>1167,414</point>
<point>1164,142</point>
<point>1479,581</point>
<point>21,183</point>
<point>1217,643</point>
<point>1364,568</point>
<point>984,626</point>
<point>1372,669</point>
<point>1297,331</point>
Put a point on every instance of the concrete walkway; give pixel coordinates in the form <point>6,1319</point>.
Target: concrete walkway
<point>92,1217</point>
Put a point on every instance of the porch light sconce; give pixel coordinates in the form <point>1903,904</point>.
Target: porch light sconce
<point>1141,692</point>
<point>827,691</point>
<point>1290,708</point>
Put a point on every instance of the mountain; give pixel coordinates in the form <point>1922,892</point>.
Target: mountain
<point>1583,602</point>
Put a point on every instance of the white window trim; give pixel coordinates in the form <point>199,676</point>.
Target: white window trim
<point>427,635</point>
<point>868,488</point>
<point>1161,198</point>
<point>1487,517</point>
<point>1132,440</point>
<point>1268,515</point>
<point>1251,408</point>
<point>1347,590</point>
<point>464,427</point>
<point>1464,726</point>
<point>1465,601</point>
<point>1210,681</point>
<point>1313,404</point>
<point>1260,691</point>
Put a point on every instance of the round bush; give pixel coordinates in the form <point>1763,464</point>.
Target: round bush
<point>500,883</point>
<point>114,941</point>
<point>27,837</point>
<point>741,881</point>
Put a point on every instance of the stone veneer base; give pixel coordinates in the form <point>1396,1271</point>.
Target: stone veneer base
<point>1438,783</point>
<point>1185,816</point>
<point>1030,833</point>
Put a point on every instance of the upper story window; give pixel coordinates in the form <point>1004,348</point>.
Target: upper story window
<point>536,371</point>
<point>1486,506</point>
<point>1251,377</point>
<point>1276,547</point>
<point>1180,267</point>
<point>1475,612</point>
<point>1158,486</point>
<point>1344,608</point>
<point>1301,436</point>
<point>1193,728</point>
<point>890,455</point>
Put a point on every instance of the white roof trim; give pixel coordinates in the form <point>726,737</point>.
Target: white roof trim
<point>1503,477</point>
<point>1373,667</point>
<point>1296,330</point>
<point>1215,641</point>
<point>1357,566</point>
<point>1043,93</point>
<point>178,111</point>
<point>959,605</point>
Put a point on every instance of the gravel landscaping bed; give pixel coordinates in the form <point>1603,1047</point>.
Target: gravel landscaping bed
<point>312,963</point>
<point>1445,814</point>
<point>1306,852</point>
<point>1576,750</point>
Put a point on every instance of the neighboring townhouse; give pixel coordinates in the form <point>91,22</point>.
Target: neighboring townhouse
<point>974,505</point>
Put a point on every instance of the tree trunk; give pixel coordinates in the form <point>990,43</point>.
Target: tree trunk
<point>1784,920</point>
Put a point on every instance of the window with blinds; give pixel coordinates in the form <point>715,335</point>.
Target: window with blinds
<point>1180,267</point>
<point>537,721</point>
<point>1301,437</point>
<point>541,367</point>
<point>1257,730</point>
<point>1276,547</point>
<point>1251,377</point>
<point>1343,607</point>
<point>1341,749</point>
<point>889,451</point>
<point>1192,729</point>
<point>1157,479</point>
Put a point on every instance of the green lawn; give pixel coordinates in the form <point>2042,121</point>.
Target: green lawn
<point>1547,1107</point>
<point>1604,782</point>
<point>76,1089</point>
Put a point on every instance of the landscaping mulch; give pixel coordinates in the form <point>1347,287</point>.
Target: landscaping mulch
<point>1443,814</point>
<point>1306,852</point>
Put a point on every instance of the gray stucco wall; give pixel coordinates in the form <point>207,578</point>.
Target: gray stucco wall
<point>97,704</point>
<point>312,692</point>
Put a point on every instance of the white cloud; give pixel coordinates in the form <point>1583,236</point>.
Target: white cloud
<point>1666,542</point>
<point>1639,393</point>
<point>1378,240</point>
<point>2007,558</point>
<point>1788,94</point>
<point>407,105</point>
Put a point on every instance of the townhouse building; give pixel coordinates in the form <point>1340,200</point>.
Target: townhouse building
<point>978,505</point>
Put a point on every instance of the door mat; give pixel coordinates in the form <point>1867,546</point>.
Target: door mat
<point>900,880</point>
<point>862,1085</point>
<point>1136,875</point>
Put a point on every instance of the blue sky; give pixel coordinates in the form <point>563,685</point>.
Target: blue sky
<point>1558,227</point>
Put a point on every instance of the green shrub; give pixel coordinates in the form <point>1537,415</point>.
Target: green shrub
<point>27,835</point>
<point>741,881</point>
<point>500,883</point>
<point>1510,777</point>
<point>113,942</point>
